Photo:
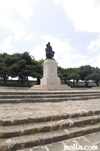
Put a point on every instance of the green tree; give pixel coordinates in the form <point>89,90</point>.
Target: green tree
<point>65,75</point>
<point>25,67</point>
<point>84,72</point>
<point>73,75</point>
<point>13,69</point>
<point>95,76</point>
<point>5,62</point>
<point>38,70</point>
<point>60,72</point>
<point>22,66</point>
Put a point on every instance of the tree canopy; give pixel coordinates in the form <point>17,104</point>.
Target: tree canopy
<point>85,73</point>
<point>19,65</point>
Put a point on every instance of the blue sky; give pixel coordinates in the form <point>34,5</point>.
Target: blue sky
<point>71,26</point>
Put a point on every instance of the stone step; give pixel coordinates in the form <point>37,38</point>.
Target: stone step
<point>32,128</point>
<point>4,96</point>
<point>48,99</point>
<point>26,141</point>
<point>48,92</point>
<point>47,118</point>
<point>26,97</point>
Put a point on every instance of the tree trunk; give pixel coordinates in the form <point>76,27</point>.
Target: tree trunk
<point>97,83</point>
<point>65,82</point>
<point>22,81</point>
<point>5,80</point>
<point>38,81</point>
<point>28,81</point>
<point>77,82</point>
<point>86,83</point>
<point>73,82</point>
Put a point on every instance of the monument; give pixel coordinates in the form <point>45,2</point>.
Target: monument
<point>50,80</point>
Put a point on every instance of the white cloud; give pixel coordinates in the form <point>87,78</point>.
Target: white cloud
<point>19,31</point>
<point>9,20</point>
<point>83,13</point>
<point>95,61</point>
<point>94,46</point>
<point>38,53</point>
<point>57,1</point>
<point>73,60</point>
<point>28,37</point>
<point>23,9</point>
<point>7,43</point>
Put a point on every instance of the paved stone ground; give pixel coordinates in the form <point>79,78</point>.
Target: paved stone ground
<point>34,110</point>
<point>83,143</point>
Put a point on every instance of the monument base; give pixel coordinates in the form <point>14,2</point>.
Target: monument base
<point>50,80</point>
<point>50,87</point>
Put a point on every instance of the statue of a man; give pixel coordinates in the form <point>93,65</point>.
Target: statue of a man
<point>49,51</point>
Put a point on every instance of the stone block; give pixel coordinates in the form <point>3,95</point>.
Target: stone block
<point>50,81</point>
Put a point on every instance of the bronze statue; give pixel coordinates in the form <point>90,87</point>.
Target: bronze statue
<point>49,51</point>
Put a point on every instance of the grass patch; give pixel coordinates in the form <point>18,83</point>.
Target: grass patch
<point>93,121</point>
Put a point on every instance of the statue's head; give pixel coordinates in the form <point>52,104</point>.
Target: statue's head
<point>48,44</point>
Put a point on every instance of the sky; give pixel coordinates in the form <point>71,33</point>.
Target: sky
<point>71,26</point>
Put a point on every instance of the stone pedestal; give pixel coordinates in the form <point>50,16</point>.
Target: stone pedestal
<point>50,73</point>
<point>50,80</point>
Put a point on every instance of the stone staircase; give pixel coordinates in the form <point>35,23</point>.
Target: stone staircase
<point>30,132</point>
<point>48,96</point>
